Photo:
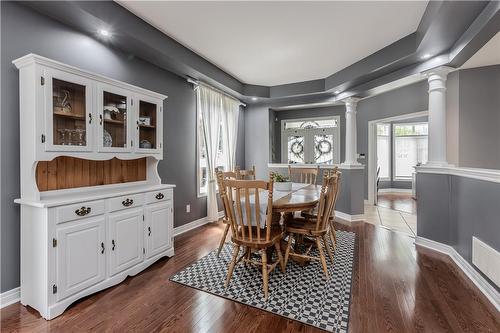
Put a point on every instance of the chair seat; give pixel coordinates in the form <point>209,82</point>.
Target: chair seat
<point>276,235</point>
<point>312,214</point>
<point>304,226</point>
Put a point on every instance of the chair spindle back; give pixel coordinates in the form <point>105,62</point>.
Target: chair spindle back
<point>237,195</point>
<point>303,175</point>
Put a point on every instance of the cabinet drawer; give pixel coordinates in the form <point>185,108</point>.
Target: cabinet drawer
<point>79,211</point>
<point>126,201</point>
<point>159,196</point>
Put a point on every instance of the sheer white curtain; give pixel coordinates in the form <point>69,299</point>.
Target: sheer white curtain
<point>210,106</point>
<point>218,113</point>
<point>230,115</point>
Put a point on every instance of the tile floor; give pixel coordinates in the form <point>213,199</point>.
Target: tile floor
<point>391,219</point>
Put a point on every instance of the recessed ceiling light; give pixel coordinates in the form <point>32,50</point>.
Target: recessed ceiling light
<point>104,33</point>
<point>426,56</point>
<point>254,98</point>
<point>336,92</point>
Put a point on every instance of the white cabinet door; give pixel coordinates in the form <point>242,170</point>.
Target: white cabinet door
<point>149,122</point>
<point>68,111</point>
<point>159,219</point>
<point>125,240</point>
<point>115,108</point>
<point>81,257</point>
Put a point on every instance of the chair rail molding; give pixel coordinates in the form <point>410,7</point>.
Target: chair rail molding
<point>489,175</point>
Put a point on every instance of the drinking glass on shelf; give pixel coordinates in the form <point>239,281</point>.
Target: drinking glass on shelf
<point>80,133</point>
<point>62,136</point>
<point>70,137</point>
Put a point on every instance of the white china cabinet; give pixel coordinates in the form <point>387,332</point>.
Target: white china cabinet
<point>93,208</point>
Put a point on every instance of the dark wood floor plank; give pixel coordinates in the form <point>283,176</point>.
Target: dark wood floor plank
<point>396,288</point>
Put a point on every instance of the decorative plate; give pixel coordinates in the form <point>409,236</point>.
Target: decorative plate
<point>107,139</point>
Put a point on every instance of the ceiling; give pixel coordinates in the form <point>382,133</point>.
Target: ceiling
<point>488,55</point>
<point>273,43</point>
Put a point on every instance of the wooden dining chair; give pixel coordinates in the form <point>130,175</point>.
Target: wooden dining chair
<point>307,175</point>
<point>314,213</point>
<point>315,228</point>
<point>256,236</point>
<point>221,175</point>
<point>248,174</point>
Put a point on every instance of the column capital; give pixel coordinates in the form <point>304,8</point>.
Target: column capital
<point>440,72</point>
<point>350,103</point>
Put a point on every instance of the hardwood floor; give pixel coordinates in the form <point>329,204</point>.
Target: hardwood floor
<point>398,201</point>
<point>396,288</point>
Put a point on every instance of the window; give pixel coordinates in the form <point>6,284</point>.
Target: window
<point>202,161</point>
<point>384,151</point>
<point>314,140</point>
<point>410,148</point>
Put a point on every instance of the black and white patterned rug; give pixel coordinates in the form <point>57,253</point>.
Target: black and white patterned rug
<point>302,294</point>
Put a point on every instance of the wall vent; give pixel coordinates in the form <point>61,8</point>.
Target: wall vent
<point>486,259</point>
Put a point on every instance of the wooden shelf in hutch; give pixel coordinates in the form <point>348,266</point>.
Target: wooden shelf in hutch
<point>114,122</point>
<point>147,126</point>
<point>69,115</point>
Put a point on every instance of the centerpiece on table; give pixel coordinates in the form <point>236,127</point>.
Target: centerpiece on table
<point>281,183</point>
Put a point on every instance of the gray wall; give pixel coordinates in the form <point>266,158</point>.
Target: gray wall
<point>451,209</point>
<point>258,128</point>
<point>25,31</point>
<point>275,145</point>
<point>479,121</point>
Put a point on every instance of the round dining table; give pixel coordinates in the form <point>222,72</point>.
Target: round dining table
<point>303,199</point>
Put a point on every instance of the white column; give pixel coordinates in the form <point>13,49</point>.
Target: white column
<point>437,116</point>
<point>351,131</point>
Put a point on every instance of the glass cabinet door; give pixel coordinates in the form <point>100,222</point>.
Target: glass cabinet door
<point>69,112</point>
<point>148,125</point>
<point>114,108</point>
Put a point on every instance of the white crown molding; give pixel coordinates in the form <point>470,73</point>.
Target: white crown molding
<point>35,58</point>
<point>194,224</point>
<point>489,175</point>
<point>10,297</point>
<point>349,217</point>
<point>479,281</point>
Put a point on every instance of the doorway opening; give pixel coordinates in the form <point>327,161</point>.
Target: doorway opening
<point>396,146</point>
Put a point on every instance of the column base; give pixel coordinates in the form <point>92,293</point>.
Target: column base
<point>437,164</point>
<point>351,165</point>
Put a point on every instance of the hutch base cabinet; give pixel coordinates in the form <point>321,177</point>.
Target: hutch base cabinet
<point>90,243</point>
<point>93,207</point>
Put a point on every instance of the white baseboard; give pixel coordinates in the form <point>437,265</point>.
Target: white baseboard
<point>483,285</point>
<point>395,190</point>
<point>10,297</point>
<point>348,217</point>
<point>194,224</point>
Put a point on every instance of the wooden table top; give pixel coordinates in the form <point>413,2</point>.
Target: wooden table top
<point>302,199</point>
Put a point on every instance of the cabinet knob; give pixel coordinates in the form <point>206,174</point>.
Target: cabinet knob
<point>113,245</point>
<point>149,231</point>
<point>83,211</point>
<point>160,196</point>
<point>127,202</point>
<point>102,247</point>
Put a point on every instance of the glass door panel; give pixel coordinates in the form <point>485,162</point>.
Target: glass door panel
<point>323,149</point>
<point>69,122</point>
<point>147,125</point>
<point>114,120</point>
<point>295,149</point>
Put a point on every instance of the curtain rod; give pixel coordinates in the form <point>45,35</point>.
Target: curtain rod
<point>196,83</point>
